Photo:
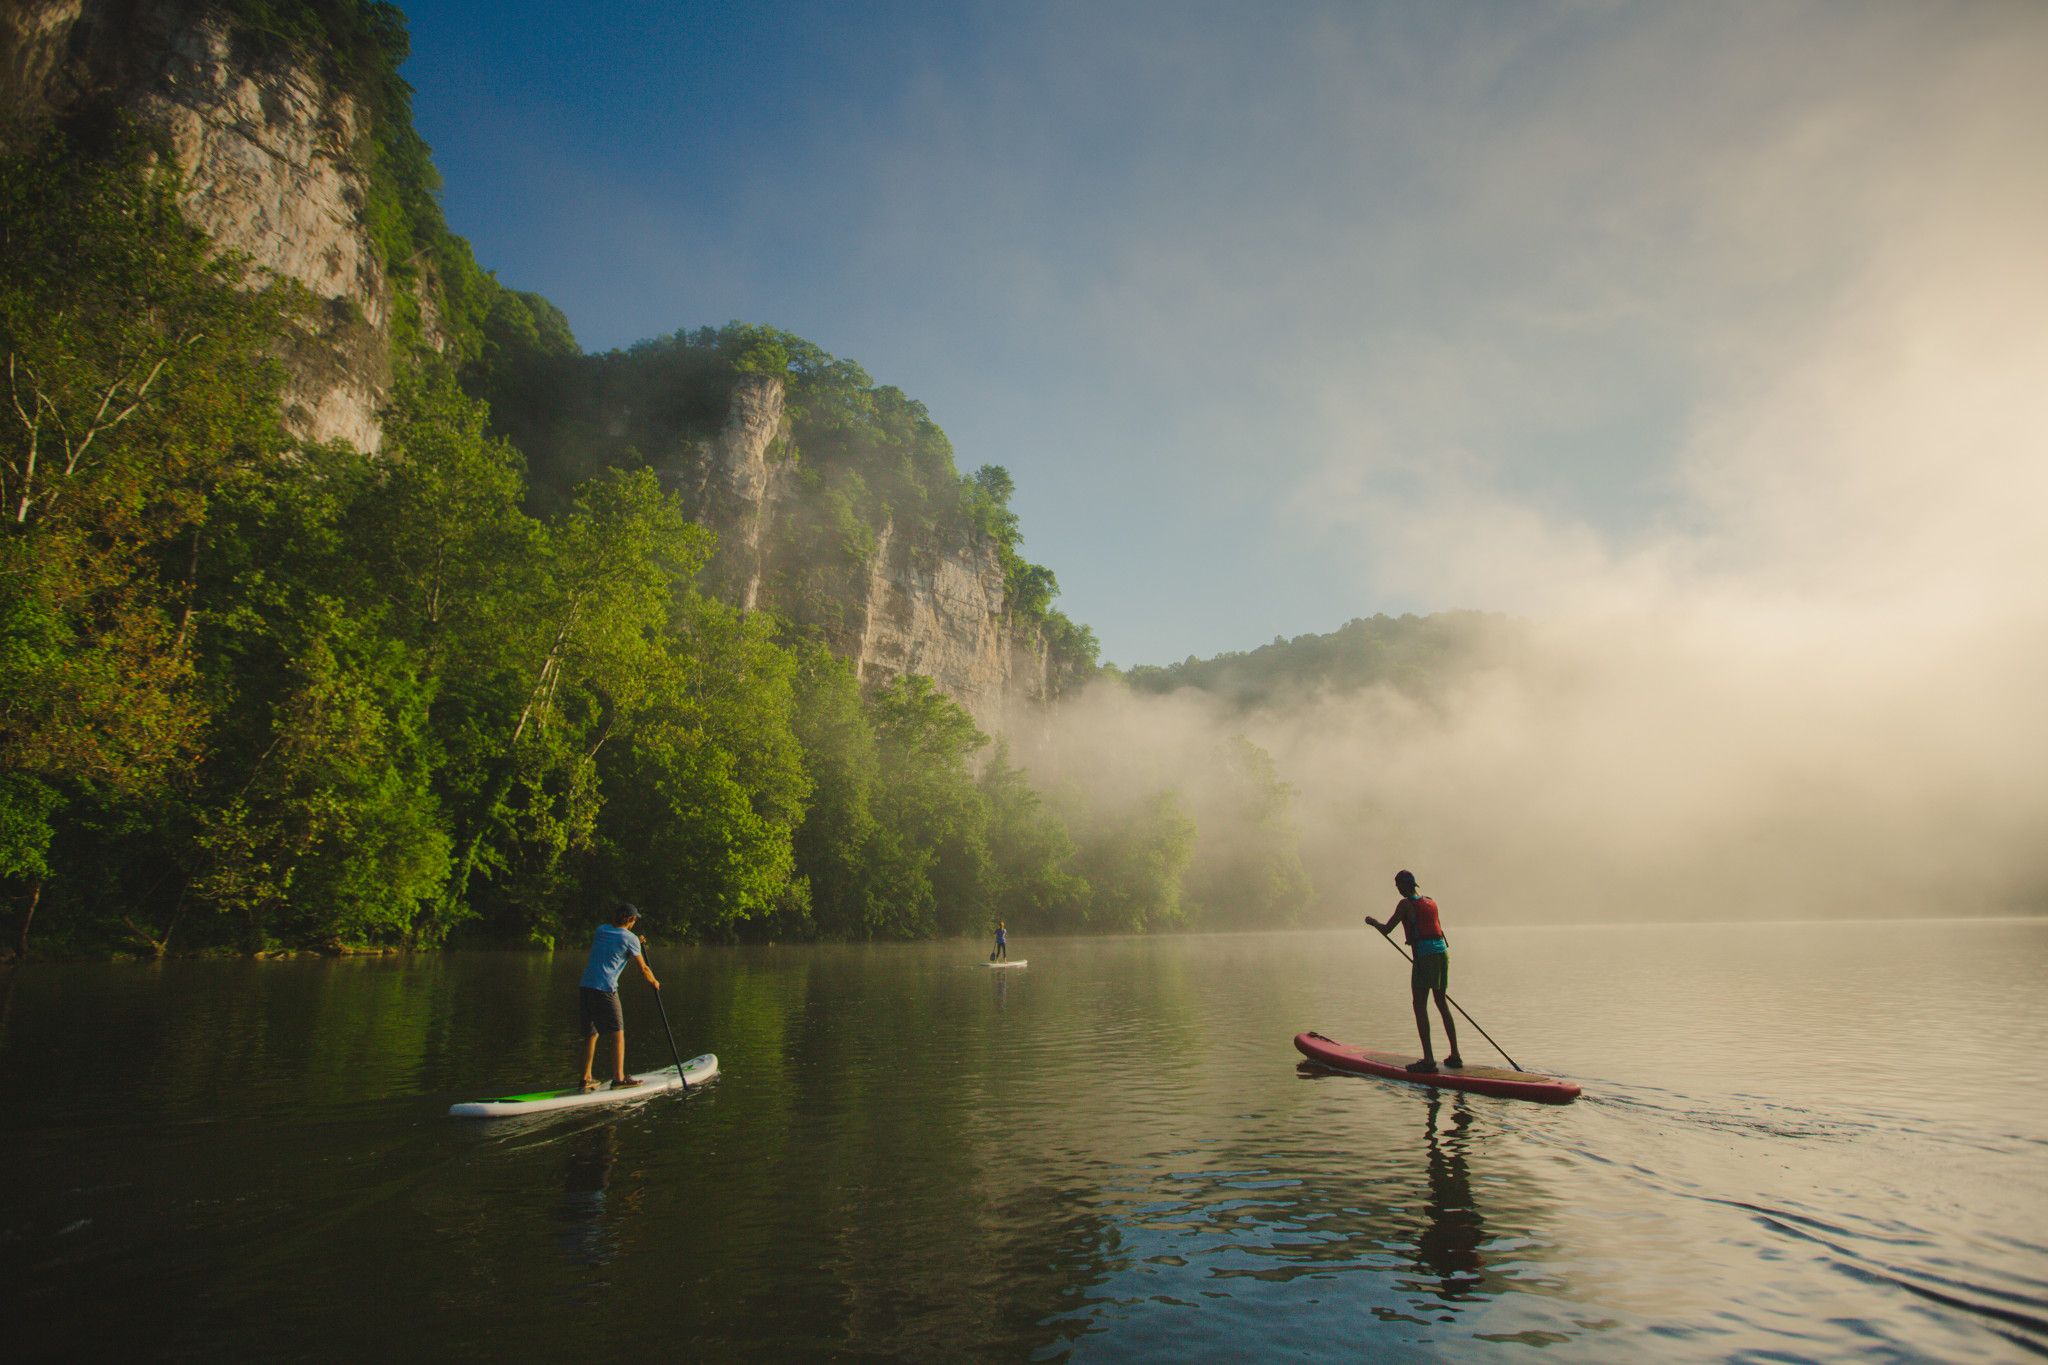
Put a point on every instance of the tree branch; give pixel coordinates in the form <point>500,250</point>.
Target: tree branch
<point>98,425</point>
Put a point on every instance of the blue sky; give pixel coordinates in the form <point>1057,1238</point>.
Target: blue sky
<point>1243,295</point>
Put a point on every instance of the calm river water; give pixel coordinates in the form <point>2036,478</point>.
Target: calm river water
<point>1798,1141</point>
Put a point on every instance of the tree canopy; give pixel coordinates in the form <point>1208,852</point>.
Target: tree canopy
<point>258,694</point>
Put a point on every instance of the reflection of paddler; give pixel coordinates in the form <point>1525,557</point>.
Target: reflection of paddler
<point>1449,1242</point>
<point>586,1178</point>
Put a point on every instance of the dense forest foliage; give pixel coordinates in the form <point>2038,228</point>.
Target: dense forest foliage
<point>866,461</point>
<point>257,694</point>
<point>1415,655</point>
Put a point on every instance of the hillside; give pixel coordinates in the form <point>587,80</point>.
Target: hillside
<point>836,501</point>
<point>1414,655</point>
<point>304,652</point>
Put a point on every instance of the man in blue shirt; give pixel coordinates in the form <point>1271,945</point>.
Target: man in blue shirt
<point>599,993</point>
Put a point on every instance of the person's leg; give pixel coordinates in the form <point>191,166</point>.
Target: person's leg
<point>1443,1007</point>
<point>589,1052</point>
<point>1422,1023</point>
<point>619,1055</point>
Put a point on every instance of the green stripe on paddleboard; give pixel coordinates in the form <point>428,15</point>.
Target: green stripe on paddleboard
<point>561,1094</point>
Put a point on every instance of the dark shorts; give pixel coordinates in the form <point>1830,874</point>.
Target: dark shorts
<point>1431,972</point>
<point>600,1011</point>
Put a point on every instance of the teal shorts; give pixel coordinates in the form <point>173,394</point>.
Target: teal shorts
<point>1431,972</point>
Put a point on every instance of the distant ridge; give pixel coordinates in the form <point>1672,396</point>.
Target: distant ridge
<point>1414,655</point>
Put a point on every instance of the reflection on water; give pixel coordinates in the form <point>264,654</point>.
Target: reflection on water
<point>588,1234</point>
<point>1363,1209</point>
<point>1449,1245</point>
<point>1112,1155</point>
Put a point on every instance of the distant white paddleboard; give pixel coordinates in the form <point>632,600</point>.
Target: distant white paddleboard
<point>663,1082</point>
<point>1019,963</point>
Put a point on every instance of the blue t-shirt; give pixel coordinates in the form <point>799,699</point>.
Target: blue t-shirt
<point>1001,937</point>
<point>608,954</point>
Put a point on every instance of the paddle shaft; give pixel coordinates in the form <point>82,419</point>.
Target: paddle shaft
<point>1458,1007</point>
<point>677,1052</point>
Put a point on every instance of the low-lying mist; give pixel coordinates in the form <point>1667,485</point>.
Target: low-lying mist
<point>1813,682</point>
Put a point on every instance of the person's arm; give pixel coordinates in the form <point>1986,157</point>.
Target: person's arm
<point>1393,920</point>
<point>646,971</point>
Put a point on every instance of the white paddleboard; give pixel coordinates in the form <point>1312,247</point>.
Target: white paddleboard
<point>1021,962</point>
<point>663,1082</point>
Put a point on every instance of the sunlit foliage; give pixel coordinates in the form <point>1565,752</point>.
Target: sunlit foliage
<point>259,695</point>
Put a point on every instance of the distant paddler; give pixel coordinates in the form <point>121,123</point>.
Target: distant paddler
<point>1002,949</point>
<point>598,993</point>
<point>1423,923</point>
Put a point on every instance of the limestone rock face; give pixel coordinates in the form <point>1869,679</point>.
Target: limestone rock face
<point>730,486</point>
<point>272,160</point>
<point>939,610</point>
<point>935,609</point>
<point>34,37</point>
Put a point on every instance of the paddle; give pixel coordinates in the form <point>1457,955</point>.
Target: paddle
<point>1458,1007</point>
<point>677,1052</point>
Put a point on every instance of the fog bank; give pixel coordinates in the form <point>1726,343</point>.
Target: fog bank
<point>1810,681</point>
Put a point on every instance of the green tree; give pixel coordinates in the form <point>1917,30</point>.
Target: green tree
<point>314,820</point>
<point>709,788</point>
<point>931,802</point>
<point>1134,859</point>
<point>1247,868</point>
<point>462,574</point>
<point>835,842</point>
<point>590,643</point>
<point>1030,851</point>
<point>332,839</point>
<point>138,376</point>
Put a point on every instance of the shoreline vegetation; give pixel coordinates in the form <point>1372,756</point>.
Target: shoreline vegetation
<point>9,958</point>
<point>264,696</point>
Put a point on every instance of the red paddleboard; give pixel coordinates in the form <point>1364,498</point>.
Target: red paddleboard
<point>1482,1080</point>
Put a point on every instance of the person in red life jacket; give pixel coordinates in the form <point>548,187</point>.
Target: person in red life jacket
<point>1424,924</point>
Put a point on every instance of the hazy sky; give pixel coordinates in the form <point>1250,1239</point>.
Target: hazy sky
<point>1285,313</point>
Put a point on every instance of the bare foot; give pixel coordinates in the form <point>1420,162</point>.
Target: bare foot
<point>1454,1060</point>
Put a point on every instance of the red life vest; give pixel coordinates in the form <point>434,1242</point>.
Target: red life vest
<point>1423,920</point>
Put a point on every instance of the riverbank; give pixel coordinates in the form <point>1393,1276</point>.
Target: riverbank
<point>218,954</point>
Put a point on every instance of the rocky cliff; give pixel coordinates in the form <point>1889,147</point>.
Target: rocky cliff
<point>943,615</point>
<point>274,163</point>
<point>932,605</point>
<point>279,160</point>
